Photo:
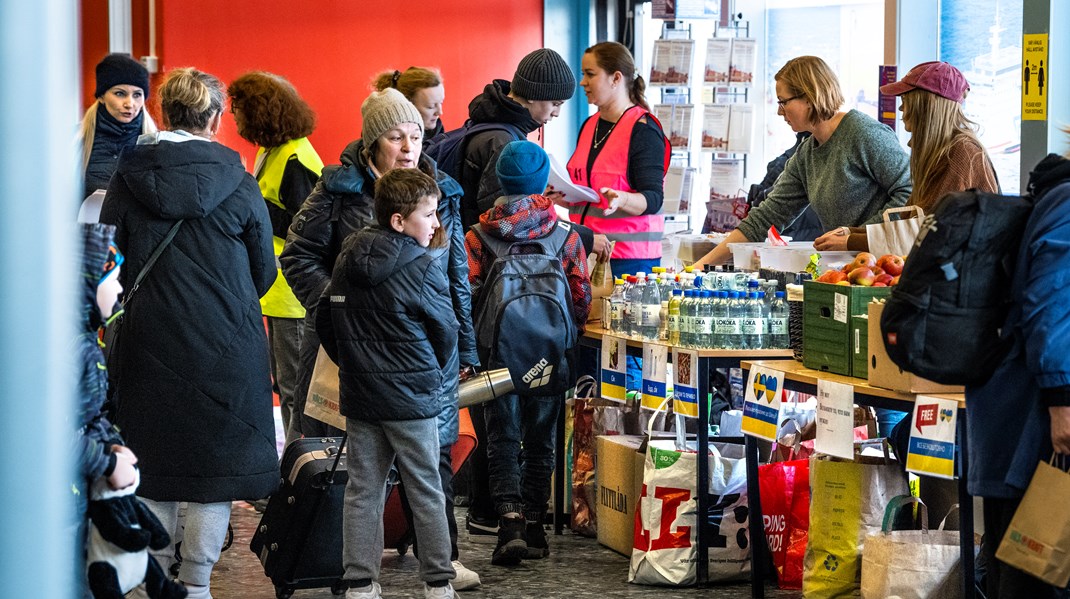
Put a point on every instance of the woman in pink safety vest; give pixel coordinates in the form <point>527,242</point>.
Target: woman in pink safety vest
<point>622,153</point>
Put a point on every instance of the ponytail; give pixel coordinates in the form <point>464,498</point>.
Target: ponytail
<point>191,98</point>
<point>637,92</point>
<point>409,81</point>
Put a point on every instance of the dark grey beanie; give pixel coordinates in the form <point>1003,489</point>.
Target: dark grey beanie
<point>120,69</point>
<point>544,75</point>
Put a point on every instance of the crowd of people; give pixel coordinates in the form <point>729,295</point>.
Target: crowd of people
<point>379,260</point>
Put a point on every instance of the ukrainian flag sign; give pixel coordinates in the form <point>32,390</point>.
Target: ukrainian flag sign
<point>614,367</point>
<point>685,382</point>
<point>932,437</point>
<point>655,375</point>
<point>761,407</point>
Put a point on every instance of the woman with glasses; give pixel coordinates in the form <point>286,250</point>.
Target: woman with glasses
<point>849,170</point>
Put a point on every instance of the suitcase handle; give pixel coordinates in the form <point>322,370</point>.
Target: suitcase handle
<point>337,459</point>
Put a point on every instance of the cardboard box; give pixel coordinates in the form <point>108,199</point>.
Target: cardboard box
<point>619,474</point>
<point>828,310</point>
<point>886,374</point>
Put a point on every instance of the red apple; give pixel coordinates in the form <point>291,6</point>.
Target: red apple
<point>891,264</point>
<point>879,284</point>
<point>844,283</point>
<point>883,278</point>
<point>894,281</point>
<point>877,271</point>
<point>861,276</point>
<point>837,276</point>
<point>864,259</point>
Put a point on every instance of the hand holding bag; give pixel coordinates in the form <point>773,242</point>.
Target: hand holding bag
<point>897,233</point>
<point>1038,538</point>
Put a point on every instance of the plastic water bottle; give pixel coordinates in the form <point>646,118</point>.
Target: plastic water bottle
<point>673,325</point>
<point>632,305</point>
<point>650,312</point>
<point>687,319</point>
<point>778,322</point>
<point>752,326</point>
<point>720,316</point>
<point>704,336</point>
<point>616,307</point>
<point>764,302</point>
<point>736,313</point>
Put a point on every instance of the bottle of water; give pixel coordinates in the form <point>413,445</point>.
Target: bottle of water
<point>666,296</point>
<point>778,322</point>
<point>687,319</point>
<point>753,325</point>
<point>720,316</point>
<point>736,313</point>
<point>632,305</point>
<point>704,338</point>
<point>616,307</point>
<point>763,301</point>
<point>650,312</point>
<point>673,325</point>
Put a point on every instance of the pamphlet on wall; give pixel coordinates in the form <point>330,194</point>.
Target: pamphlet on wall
<point>672,62</point>
<point>678,183</point>
<point>744,56</point>
<point>726,179</point>
<point>676,120</point>
<point>718,60</point>
<point>560,181</point>
<point>715,127</point>
<point>741,128</point>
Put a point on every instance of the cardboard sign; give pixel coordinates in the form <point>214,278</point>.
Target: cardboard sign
<point>761,407</point>
<point>685,382</point>
<point>614,367</point>
<point>655,375</point>
<point>932,437</point>
<point>835,419</point>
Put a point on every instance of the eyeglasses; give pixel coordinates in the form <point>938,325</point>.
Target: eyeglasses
<point>784,103</point>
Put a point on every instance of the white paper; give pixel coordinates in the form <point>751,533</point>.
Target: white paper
<point>718,57</point>
<point>715,127</point>
<point>560,181</point>
<point>744,51</point>
<point>741,128</point>
<point>835,419</point>
<point>655,375</point>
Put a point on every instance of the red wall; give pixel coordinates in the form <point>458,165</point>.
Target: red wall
<point>330,49</point>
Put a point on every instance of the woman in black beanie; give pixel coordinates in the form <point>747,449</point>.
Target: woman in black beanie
<point>122,89</point>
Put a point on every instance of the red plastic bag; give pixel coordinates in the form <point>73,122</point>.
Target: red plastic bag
<point>785,493</point>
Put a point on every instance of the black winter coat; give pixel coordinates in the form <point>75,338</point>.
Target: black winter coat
<point>388,322</point>
<point>110,138</point>
<point>194,389</point>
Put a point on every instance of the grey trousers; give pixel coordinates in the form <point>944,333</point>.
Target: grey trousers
<point>284,339</point>
<point>373,447</point>
<point>203,535</point>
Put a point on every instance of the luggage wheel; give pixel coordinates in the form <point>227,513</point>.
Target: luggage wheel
<point>283,592</point>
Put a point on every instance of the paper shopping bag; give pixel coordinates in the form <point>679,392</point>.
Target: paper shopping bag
<point>1037,540</point>
<point>785,492</point>
<point>897,232</point>
<point>322,401</point>
<point>853,497</point>
<point>601,286</point>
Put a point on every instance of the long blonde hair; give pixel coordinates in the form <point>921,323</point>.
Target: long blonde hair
<point>88,130</point>
<point>936,125</point>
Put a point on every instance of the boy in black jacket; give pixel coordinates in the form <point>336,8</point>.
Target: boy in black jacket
<point>388,322</point>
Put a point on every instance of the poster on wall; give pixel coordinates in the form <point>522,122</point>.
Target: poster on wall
<point>676,121</point>
<point>743,62</point>
<point>715,127</point>
<point>718,60</point>
<point>672,62</point>
<point>741,128</point>
<point>886,103</point>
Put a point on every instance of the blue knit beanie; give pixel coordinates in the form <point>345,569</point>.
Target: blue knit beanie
<point>523,168</point>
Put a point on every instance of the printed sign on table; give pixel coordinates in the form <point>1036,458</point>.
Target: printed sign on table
<point>654,375</point>
<point>685,384</point>
<point>932,437</point>
<point>761,407</point>
<point>614,367</point>
<point>835,419</point>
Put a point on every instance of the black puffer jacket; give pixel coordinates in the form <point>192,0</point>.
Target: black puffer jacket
<point>478,177</point>
<point>388,322</point>
<point>109,140</point>
<point>194,389</point>
<point>313,244</point>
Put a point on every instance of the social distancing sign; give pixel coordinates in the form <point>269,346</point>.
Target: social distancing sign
<point>1034,77</point>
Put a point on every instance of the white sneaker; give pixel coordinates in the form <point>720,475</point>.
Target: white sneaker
<point>430,592</point>
<point>466,579</point>
<point>198,592</point>
<point>372,591</point>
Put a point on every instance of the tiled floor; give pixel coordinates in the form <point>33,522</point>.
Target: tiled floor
<point>578,567</point>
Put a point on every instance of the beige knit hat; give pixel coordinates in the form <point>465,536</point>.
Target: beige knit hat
<point>385,110</point>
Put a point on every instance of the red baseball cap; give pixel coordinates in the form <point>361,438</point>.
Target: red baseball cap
<point>934,76</point>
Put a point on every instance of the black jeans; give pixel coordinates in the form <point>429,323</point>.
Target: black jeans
<point>521,432</point>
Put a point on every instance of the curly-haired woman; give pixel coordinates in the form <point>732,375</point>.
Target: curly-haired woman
<point>270,114</point>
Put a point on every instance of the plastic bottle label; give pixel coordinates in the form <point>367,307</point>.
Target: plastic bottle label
<point>752,326</point>
<point>705,325</point>
<point>778,326</point>
<point>616,310</point>
<point>674,322</point>
<point>730,326</point>
<point>651,315</point>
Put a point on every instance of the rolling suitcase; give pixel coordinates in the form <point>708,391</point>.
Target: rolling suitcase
<point>299,538</point>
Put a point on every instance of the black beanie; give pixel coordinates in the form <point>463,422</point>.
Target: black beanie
<point>544,75</point>
<point>120,69</point>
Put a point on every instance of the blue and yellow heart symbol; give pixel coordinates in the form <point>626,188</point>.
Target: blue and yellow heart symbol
<point>946,414</point>
<point>767,385</point>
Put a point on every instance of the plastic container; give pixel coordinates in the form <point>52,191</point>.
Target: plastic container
<point>796,255</point>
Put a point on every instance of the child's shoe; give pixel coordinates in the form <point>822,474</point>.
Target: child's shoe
<point>372,591</point>
<point>535,535</point>
<point>512,547</point>
<point>431,592</point>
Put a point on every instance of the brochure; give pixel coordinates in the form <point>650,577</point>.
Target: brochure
<point>560,181</point>
<point>744,55</point>
<point>718,59</point>
<point>715,127</point>
<point>741,128</point>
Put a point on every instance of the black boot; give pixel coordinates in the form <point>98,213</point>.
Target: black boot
<point>538,548</point>
<point>512,547</point>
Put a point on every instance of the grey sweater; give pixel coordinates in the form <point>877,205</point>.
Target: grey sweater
<point>849,180</point>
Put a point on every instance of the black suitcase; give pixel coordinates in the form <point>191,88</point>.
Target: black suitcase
<point>299,539</point>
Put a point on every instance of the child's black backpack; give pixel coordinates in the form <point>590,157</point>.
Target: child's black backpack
<point>943,319</point>
<point>448,151</point>
<point>523,315</point>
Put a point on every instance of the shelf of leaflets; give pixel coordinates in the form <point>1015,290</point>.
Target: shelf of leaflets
<point>797,377</point>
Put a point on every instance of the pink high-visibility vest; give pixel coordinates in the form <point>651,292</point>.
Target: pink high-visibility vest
<point>637,237</point>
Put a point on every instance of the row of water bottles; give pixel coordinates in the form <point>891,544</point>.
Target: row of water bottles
<point>677,309</point>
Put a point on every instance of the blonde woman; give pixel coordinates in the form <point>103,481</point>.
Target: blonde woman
<point>122,89</point>
<point>849,171</point>
<point>423,87</point>
<point>945,154</point>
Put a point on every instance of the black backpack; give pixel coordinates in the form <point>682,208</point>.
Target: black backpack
<point>448,151</point>
<point>943,320</point>
<point>523,315</point>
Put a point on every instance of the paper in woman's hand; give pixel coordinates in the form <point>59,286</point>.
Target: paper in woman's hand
<point>560,181</point>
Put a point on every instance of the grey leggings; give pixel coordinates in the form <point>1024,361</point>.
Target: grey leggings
<point>203,534</point>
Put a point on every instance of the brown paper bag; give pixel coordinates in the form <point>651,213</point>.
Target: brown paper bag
<point>1038,538</point>
<point>322,401</point>
<point>896,234</point>
<point>601,284</point>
